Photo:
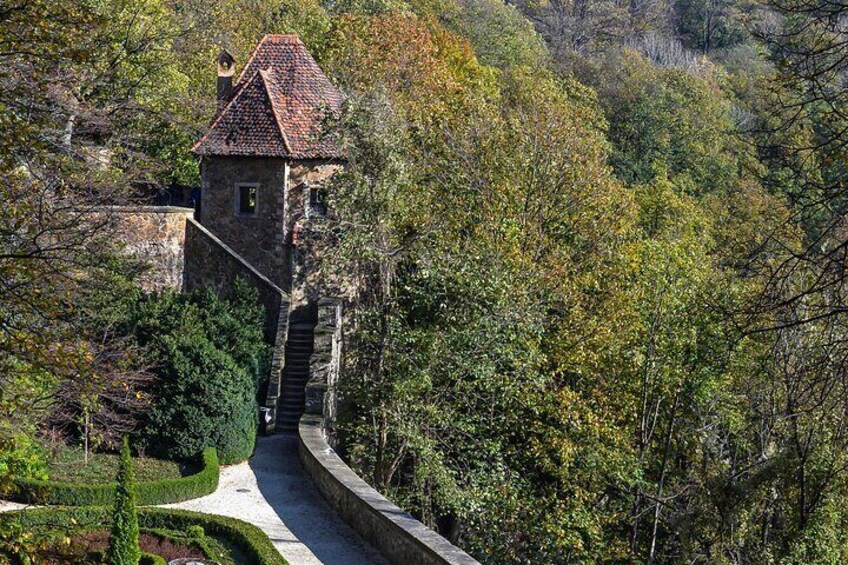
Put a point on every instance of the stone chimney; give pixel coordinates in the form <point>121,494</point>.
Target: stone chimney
<point>226,70</point>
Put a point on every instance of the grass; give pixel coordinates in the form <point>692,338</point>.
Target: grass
<point>68,465</point>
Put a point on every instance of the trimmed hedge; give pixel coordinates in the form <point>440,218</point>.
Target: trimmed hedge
<point>151,559</point>
<point>163,491</point>
<point>250,540</point>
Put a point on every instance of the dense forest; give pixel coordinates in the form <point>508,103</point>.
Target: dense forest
<point>595,253</point>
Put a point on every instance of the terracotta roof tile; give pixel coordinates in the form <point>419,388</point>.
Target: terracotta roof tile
<point>278,106</point>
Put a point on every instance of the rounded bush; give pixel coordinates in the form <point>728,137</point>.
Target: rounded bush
<point>204,399</point>
<point>163,491</point>
<point>195,531</point>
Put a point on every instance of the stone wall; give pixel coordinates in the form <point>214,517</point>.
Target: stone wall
<point>402,539</point>
<point>260,239</point>
<point>305,275</point>
<point>155,235</point>
<point>325,362</point>
<point>210,263</point>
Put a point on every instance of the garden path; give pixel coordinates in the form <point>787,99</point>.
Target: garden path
<point>274,493</point>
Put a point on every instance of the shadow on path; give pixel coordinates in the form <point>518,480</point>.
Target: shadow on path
<point>294,498</point>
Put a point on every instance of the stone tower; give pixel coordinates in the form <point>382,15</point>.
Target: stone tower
<point>266,154</point>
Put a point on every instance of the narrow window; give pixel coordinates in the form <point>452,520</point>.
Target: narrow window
<point>247,199</point>
<point>315,201</point>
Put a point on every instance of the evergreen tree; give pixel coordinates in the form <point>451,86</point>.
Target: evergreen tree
<point>123,542</point>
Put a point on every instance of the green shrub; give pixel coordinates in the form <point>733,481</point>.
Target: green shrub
<point>248,539</point>
<point>123,541</point>
<point>210,359</point>
<point>151,559</point>
<point>163,491</point>
<point>195,531</point>
<point>204,399</point>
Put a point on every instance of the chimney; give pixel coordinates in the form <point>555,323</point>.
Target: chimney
<point>226,70</point>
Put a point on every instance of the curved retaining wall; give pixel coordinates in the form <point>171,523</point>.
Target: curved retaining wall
<point>399,537</point>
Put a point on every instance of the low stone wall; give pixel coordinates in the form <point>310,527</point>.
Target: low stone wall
<point>278,362</point>
<point>399,537</point>
<point>402,539</point>
<point>156,235</point>
<point>325,362</point>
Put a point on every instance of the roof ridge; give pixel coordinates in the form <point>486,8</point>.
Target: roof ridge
<point>277,119</point>
<point>268,37</point>
<point>286,36</point>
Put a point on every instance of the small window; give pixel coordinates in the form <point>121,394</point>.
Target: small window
<point>247,196</point>
<point>315,201</point>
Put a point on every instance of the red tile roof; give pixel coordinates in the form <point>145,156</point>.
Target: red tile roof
<point>277,108</point>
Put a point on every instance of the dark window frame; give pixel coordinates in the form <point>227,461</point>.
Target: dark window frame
<point>239,194</point>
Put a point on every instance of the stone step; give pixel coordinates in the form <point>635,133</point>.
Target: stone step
<point>286,426</point>
<point>288,422</point>
<point>299,362</point>
<point>295,380</point>
<point>300,344</point>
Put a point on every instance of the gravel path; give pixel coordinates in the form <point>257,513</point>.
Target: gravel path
<point>273,492</point>
<point>6,506</point>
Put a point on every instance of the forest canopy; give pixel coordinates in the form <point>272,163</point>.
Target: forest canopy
<point>595,253</point>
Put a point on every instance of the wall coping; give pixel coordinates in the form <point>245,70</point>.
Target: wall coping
<point>430,546</point>
<point>265,280</point>
<point>148,209</point>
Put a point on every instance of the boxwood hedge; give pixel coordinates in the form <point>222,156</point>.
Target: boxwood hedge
<point>247,538</point>
<point>151,559</point>
<point>163,491</point>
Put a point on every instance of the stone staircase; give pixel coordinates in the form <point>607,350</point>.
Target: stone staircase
<point>299,347</point>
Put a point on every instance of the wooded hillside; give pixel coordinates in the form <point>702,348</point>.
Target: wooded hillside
<point>596,251</point>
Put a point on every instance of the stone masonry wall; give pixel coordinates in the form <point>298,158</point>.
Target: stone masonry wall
<point>303,176</point>
<point>325,362</point>
<point>156,236</point>
<point>401,538</point>
<point>210,263</point>
<point>260,238</point>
